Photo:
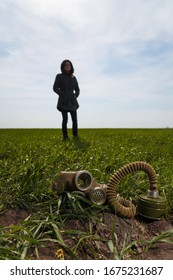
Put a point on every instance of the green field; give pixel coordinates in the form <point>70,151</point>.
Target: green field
<point>31,160</point>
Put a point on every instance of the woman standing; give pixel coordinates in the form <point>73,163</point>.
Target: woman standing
<point>66,86</point>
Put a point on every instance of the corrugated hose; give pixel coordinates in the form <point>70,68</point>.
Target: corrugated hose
<point>122,206</point>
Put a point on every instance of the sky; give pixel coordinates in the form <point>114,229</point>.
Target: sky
<point>121,50</point>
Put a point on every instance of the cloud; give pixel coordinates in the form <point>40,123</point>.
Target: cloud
<point>121,51</point>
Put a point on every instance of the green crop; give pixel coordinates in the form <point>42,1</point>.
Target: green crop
<point>31,160</point>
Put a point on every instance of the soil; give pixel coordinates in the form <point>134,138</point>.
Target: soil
<point>135,229</point>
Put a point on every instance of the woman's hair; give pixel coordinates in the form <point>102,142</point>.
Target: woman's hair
<point>63,67</point>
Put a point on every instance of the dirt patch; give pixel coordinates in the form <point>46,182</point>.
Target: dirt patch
<point>13,217</point>
<point>125,229</point>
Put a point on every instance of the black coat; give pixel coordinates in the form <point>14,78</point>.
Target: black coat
<point>67,88</point>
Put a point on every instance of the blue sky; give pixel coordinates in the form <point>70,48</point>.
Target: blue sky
<point>122,52</point>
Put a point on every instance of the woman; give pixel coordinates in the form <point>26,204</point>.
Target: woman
<point>66,86</point>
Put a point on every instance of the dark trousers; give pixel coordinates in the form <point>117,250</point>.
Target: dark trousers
<point>74,123</point>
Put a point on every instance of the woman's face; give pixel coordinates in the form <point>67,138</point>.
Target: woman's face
<point>67,67</point>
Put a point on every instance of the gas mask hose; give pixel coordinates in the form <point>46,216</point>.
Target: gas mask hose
<point>122,206</point>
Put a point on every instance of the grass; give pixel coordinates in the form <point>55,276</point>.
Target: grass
<point>31,160</point>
